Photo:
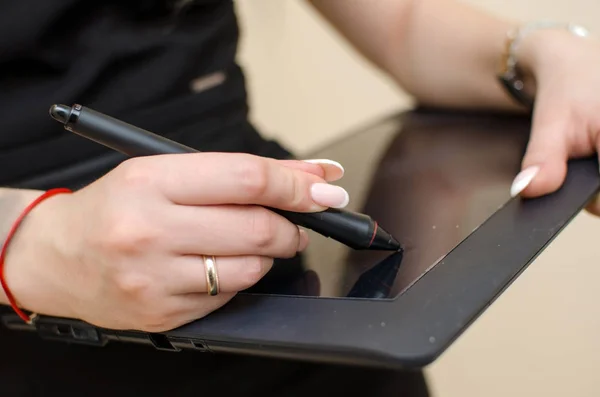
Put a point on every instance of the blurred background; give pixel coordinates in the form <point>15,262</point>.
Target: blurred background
<point>308,88</point>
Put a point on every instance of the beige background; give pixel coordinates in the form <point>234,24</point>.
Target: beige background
<point>541,337</point>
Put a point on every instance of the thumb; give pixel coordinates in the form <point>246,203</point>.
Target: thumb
<point>544,166</point>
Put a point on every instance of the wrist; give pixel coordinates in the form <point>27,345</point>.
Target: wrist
<point>32,265</point>
<point>542,48</point>
<point>14,202</point>
<point>532,49</point>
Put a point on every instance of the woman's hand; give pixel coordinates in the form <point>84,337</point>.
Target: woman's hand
<point>126,251</point>
<point>566,118</point>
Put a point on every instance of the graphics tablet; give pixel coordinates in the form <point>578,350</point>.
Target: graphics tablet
<point>439,182</point>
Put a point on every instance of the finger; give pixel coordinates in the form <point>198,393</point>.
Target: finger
<point>230,178</point>
<point>544,166</point>
<point>329,170</point>
<point>235,273</point>
<point>233,230</point>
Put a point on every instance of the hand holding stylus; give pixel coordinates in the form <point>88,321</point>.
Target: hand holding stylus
<point>134,249</point>
<point>356,230</point>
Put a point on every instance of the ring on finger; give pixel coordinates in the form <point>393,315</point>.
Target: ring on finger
<point>212,277</point>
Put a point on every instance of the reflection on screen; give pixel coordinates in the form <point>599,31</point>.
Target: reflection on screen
<point>434,183</point>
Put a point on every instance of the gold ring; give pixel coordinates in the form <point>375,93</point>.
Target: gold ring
<point>212,278</point>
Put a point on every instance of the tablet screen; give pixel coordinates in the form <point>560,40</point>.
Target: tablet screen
<point>429,182</point>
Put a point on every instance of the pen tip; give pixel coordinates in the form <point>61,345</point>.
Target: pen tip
<point>385,241</point>
<point>60,113</point>
<point>395,244</point>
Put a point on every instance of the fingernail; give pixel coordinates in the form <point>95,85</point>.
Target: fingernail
<point>329,195</point>
<point>303,240</point>
<point>523,180</point>
<point>333,169</point>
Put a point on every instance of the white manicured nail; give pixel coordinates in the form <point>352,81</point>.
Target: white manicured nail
<point>523,180</point>
<point>329,195</point>
<point>333,169</point>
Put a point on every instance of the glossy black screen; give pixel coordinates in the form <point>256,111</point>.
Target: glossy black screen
<point>429,180</point>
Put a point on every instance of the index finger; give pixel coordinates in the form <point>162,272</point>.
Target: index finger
<point>236,178</point>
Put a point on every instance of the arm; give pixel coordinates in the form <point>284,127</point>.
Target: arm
<point>447,54</point>
<point>443,52</point>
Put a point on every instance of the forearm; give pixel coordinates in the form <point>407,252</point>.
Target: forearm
<point>443,52</point>
<point>12,203</point>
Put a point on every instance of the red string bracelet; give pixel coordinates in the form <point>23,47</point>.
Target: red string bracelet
<point>52,192</point>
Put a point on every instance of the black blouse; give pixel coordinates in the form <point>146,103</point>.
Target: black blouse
<point>164,65</point>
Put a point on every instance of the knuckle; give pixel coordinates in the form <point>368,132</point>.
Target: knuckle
<point>253,176</point>
<point>129,234</point>
<point>263,228</point>
<point>133,285</point>
<point>136,174</point>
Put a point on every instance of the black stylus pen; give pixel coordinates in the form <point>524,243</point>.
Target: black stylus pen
<point>358,231</point>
